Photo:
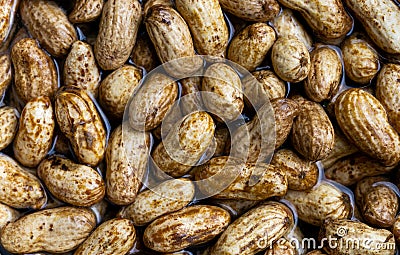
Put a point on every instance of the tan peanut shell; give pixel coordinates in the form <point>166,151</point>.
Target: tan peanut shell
<point>342,148</point>
<point>86,11</point>
<point>72,183</point>
<point>312,133</point>
<point>7,17</point>
<point>172,40</point>
<point>290,59</point>
<point>361,60</point>
<point>35,132</point>
<point>5,73</point>
<point>144,54</point>
<point>271,180</point>
<point>7,215</point>
<point>396,229</point>
<point>190,226</point>
<point>48,23</point>
<point>256,139</point>
<point>324,201</point>
<point>191,100</point>
<point>119,25</point>
<point>150,3</point>
<point>115,236</point>
<point>282,247</point>
<point>380,20</point>
<point>225,97</point>
<point>185,144</point>
<point>116,89</point>
<point>34,71</point>
<point>351,169</point>
<point>367,237</point>
<point>8,125</point>
<point>286,24</point>
<point>387,92</point>
<point>325,76</point>
<point>301,174</point>
<point>80,68</point>
<point>55,230</point>
<point>380,206</point>
<point>327,18</point>
<point>365,185</point>
<point>251,45</point>
<point>80,122</point>
<point>252,10</point>
<point>262,86</point>
<point>364,121</point>
<point>207,24</point>
<point>255,230</point>
<point>126,161</point>
<point>235,207</point>
<point>19,188</point>
<point>150,104</point>
<point>165,198</point>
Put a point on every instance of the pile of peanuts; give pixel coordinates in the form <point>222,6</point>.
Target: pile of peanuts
<point>199,127</point>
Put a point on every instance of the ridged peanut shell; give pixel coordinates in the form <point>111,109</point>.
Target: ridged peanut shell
<point>252,10</point>
<point>86,11</point>
<point>8,125</point>
<point>48,23</point>
<point>364,121</point>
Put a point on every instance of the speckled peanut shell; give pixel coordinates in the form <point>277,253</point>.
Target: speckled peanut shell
<point>8,125</point>
<point>72,183</point>
<point>324,201</point>
<point>126,161</point>
<point>286,24</point>
<point>301,174</point>
<point>325,76</point>
<point>327,18</point>
<point>207,24</point>
<point>312,132</point>
<point>354,230</point>
<point>35,132</point>
<point>272,180</point>
<point>116,89</point>
<point>115,236</point>
<point>86,11</point>
<point>255,230</point>
<point>144,54</point>
<point>185,144</point>
<point>262,86</point>
<point>388,92</point>
<point>172,40</point>
<point>225,97</point>
<point>119,25</point>
<point>190,226</point>
<point>364,121</point>
<point>290,59</point>
<point>252,10</point>
<point>34,71</point>
<point>5,73</point>
<point>7,215</point>
<point>351,169</point>
<point>80,122</point>
<point>381,21</point>
<point>151,103</point>
<point>19,188</point>
<point>251,45</point>
<point>165,198</point>
<point>7,16</point>
<point>361,60</point>
<point>55,230</point>
<point>80,68</point>
<point>48,23</point>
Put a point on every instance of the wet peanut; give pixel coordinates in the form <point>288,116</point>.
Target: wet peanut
<point>86,11</point>
<point>8,125</point>
<point>34,71</point>
<point>80,68</point>
<point>80,122</point>
<point>55,230</point>
<point>252,10</point>
<point>48,23</point>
